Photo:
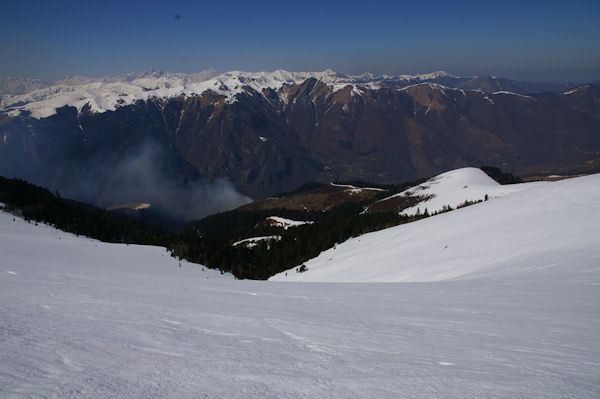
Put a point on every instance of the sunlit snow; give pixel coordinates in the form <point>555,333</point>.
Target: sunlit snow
<point>105,94</point>
<point>455,187</point>
<point>520,319</point>
<point>547,225</point>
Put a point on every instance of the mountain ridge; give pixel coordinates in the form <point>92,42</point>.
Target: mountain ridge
<point>41,98</point>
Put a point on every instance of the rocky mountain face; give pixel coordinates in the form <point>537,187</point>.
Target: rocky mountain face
<point>269,139</point>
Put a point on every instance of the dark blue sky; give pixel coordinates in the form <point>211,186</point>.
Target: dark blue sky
<point>523,40</point>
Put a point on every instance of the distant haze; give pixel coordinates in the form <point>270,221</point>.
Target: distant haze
<point>138,179</point>
<point>535,41</point>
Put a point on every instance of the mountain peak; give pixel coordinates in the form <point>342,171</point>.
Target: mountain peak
<point>436,75</point>
<point>154,73</point>
<point>329,71</point>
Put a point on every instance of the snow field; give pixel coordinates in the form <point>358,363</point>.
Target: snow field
<point>540,225</point>
<point>80,318</point>
<point>455,187</point>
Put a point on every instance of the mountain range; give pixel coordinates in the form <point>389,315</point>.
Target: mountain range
<point>204,142</point>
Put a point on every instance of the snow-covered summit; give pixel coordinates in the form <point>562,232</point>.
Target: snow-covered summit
<point>455,187</point>
<point>106,93</point>
<point>548,229</point>
<point>429,76</point>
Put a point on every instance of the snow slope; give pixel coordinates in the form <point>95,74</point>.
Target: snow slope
<point>542,225</point>
<point>57,251</point>
<point>79,318</point>
<point>104,94</point>
<point>455,187</point>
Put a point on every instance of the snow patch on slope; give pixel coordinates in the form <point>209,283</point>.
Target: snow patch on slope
<point>285,223</point>
<point>253,241</point>
<point>350,189</point>
<point>548,226</point>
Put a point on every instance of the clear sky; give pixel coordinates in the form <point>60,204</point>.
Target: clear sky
<point>549,40</point>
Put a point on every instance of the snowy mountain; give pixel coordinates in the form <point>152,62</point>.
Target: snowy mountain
<point>104,94</point>
<point>42,98</point>
<point>79,318</point>
<point>452,189</point>
<point>548,229</point>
